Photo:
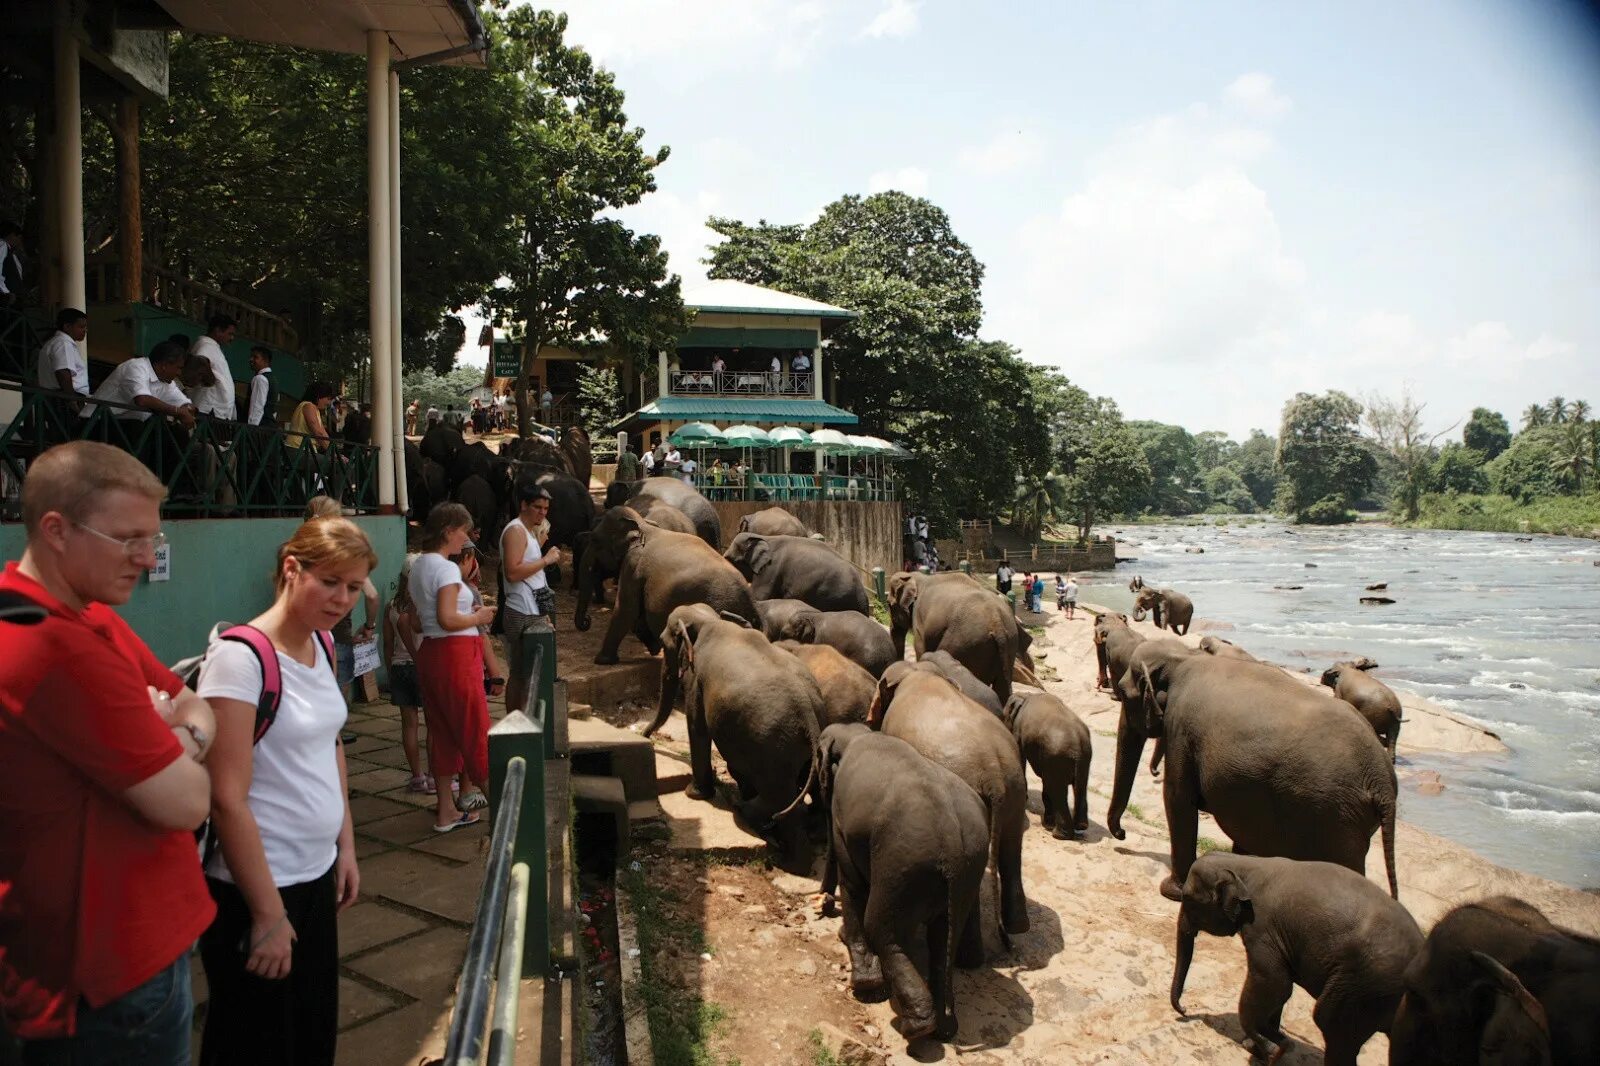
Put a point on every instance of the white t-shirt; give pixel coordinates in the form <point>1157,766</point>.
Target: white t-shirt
<point>430,573</point>
<point>687,470</point>
<point>61,352</point>
<point>214,399</point>
<point>519,594</point>
<point>294,784</point>
<point>131,379</point>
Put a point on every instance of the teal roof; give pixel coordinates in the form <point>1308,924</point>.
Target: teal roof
<point>759,409</point>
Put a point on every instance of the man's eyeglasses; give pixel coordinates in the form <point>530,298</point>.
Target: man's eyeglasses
<point>132,547</point>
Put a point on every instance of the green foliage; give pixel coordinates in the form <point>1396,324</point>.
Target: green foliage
<point>1039,499</point>
<point>1174,469</point>
<point>1575,449</point>
<point>1213,448</point>
<point>599,399</point>
<point>1529,468</point>
<point>1486,432</point>
<point>440,390</point>
<point>1325,464</point>
<point>1257,464</point>
<point>1105,466</point>
<point>1534,416</point>
<point>1227,491</point>
<point>1328,511</point>
<point>1572,516</point>
<point>820,1055</point>
<point>1458,468</point>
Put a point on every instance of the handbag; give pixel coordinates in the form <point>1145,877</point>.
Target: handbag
<point>545,600</point>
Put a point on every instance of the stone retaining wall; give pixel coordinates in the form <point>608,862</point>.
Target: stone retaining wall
<point>866,533</point>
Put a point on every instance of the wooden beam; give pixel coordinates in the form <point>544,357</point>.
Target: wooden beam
<point>130,221</point>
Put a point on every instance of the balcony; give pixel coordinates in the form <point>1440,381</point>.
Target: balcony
<point>752,383</point>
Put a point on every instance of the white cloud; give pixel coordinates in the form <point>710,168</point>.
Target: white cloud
<point>715,33</point>
<point>1011,149</point>
<point>899,18</point>
<point>1255,96</point>
<point>911,180</point>
<point>680,222</point>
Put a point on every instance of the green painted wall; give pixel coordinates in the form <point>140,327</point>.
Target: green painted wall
<point>747,337</point>
<point>222,571</point>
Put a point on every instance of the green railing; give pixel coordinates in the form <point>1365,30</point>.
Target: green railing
<point>798,487</point>
<point>20,338</point>
<point>216,469</point>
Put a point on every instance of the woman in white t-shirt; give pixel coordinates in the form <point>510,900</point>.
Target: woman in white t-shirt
<point>450,661</point>
<point>528,600</point>
<point>285,864</point>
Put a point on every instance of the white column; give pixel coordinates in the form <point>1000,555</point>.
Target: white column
<point>379,256</point>
<point>394,399</point>
<point>69,164</point>
<point>816,369</point>
<point>662,377</point>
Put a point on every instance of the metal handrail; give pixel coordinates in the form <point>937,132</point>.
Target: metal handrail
<point>464,1045</point>
<point>218,467</point>
<point>741,382</point>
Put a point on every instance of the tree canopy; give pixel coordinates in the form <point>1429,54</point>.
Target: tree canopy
<point>1487,432</point>
<point>1325,464</point>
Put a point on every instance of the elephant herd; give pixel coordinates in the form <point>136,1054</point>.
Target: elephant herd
<point>1299,780</point>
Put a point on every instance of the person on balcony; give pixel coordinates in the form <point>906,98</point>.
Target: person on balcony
<point>306,428</point>
<point>263,410</point>
<point>801,363</point>
<point>717,365</point>
<point>61,363</point>
<point>10,263</point>
<point>147,383</point>
<point>216,399</point>
<point>547,403</point>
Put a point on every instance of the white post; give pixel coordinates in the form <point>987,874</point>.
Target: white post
<point>69,164</point>
<point>379,258</point>
<point>816,369</point>
<point>396,401</point>
<point>661,372</point>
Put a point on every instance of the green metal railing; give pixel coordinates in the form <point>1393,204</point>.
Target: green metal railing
<point>798,487</point>
<point>218,468</point>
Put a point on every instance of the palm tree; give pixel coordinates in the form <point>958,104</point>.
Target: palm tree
<point>1534,417</point>
<point>1579,411</point>
<point>1037,500</point>
<point>1559,409</point>
<point>1574,456</point>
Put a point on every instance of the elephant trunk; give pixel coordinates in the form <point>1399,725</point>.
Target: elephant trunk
<point>586,580</point>
<point>1180,970</point>
<point>897,634</point>
<point>1138,614</point>
<point>1130,750</point>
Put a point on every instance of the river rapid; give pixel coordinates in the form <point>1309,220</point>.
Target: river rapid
<point>1501,630</point>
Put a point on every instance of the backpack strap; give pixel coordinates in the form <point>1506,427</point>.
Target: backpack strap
<point>20,610</point>
<point>325,638</point>
<point>271,675</point>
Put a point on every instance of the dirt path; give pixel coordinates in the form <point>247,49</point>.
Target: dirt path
<point>746,971</point>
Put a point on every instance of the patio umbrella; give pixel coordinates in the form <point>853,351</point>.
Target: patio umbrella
<point>699,434</point>
<point>746,437</point>
<point>831,441</point>
<point>789,437</point>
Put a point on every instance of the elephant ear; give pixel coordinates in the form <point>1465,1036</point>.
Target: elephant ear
<point>1009,714</point>
<point>1510,995</point>
<point>685,644</point>
<point>759,552</point>
<point>804,626</point>
<point>736,619</point>
<point>1234,899</point>
<point>904,593</point>
<point>1330,676</point>
<point>883,695</point>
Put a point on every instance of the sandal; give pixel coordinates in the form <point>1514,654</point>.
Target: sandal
<point>420,783</point>
<point>473,801</point>
<point>460,823</point>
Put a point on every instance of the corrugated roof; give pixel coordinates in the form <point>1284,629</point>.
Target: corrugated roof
<point>741,298</point>
<point>717,408</point>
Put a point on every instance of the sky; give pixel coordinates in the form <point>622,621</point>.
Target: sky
<point>1195,209</point>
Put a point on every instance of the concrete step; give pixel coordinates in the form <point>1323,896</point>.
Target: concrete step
<point>672,775</point>
<point>600,748</point>
<point>604,687</point>
<point>697,825</point>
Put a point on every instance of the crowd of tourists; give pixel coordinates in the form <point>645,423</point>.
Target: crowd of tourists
<point>144,812</point>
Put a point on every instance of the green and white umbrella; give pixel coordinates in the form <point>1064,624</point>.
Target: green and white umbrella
<point>789,437</point>
<point>700,434</point>
<point>746,437</point>
<point>831,441</point>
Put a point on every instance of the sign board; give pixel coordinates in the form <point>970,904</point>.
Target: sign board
<point>163,567</point>
<point>507,359</point>
<point>366,658</point>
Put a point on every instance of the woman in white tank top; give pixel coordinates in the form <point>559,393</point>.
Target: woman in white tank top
<point>523,563</point>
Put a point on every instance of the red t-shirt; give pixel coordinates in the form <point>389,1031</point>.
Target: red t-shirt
<point>94,900</point>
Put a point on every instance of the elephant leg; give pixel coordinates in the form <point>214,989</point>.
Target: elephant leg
<point>939,978</point>
<point>888,930</point>
<point>747,787</point>
<point>1048,819</point>
<point>866,973</point>
<point>703,778</point>
<point>969,952</point>
<point>1157,756</point>
<point>828,889</point>
<point>623,621</point>
<point>1346,1025</point>
<point>1013,902</point>
<point>1267,988</point>
<point>1063,827</point>
<point>1080,795</point>
<point>1183,826</point>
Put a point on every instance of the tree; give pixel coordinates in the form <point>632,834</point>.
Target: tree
<point>1580,411</point>
<point>1557,410</point>
<point>1227,491</point>
<point>1108,473</point>
<point>1397,426</point>
<point>1573,456</point>
<point>1528,469</point>
<point>1534,416</point>
<point>1213,448</point>
<point>756,255</point>
<point>599,400</point>
<point>1257,464</point>
<point>1321,454</point>
<point>575,274</point>
<point>1459,469</point>
<point>440,390</point>
<point>1038,500</point>
<point>1174,469</point>
<point>1486,432</point>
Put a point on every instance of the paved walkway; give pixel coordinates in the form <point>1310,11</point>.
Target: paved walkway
<point>402,945</point>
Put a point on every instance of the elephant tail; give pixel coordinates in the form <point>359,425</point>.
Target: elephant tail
<point>1385,806</point>
<point>811,778</point>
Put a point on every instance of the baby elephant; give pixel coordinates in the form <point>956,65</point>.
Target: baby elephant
<point>1376,701</point>
<point>1313,924</point>
<point>910,841</point>
<point>1056,743</point>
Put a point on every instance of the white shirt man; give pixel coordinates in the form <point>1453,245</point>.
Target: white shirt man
<point>138,378</point>
<point>687,471</point>
<point>61,354</point>
<point>801,363</point>
<point>648,462</point>
<point>673,458</point>
<point>216,399</point>
<point>260,389</point>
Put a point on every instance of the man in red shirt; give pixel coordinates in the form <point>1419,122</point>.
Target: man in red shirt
<point>101,894</point>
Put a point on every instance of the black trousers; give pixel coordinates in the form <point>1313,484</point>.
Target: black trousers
<point>251,1020</point>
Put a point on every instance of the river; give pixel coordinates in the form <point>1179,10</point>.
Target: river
<point>1501,630</point>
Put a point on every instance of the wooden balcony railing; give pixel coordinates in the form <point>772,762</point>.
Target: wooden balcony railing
<point>174,292</point>
<point>741,383</point>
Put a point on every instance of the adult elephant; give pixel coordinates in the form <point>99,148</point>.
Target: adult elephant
<point>483,503</point>
<point>965,680</point>
<point>758,704</point>
<point>847,689</point>
<point>471,460</point>
<point>776,616</point>
<point>1284,769</point>
<point>1376,701</point>
<point>858,637</point>
<point>773,522</point>
<point>441,443</point>
<point>658,572</point>
<point>1114,642</point>
<point>1496,982</point>
<point>1169,609</point>
<point>575,448</point>
<point>685,498</point>
<point>922,708</point>
<point>954,613</point>
<point>604,545</point>
<point>1226,649</point>
<point>908,841</point>
<point>798,568</point>
<point>537,455</point>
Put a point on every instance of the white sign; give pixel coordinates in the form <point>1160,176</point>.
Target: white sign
<point>366,658</point>
<point>163,568</point>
